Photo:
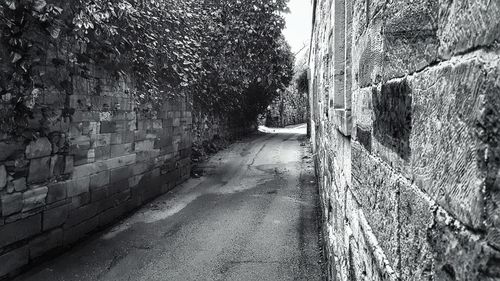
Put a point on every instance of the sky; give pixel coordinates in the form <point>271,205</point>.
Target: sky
<point>298,24</point>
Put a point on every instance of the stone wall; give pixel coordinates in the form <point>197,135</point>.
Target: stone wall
<point>209,126</point>
<point>90,157</point>
<point>405,125</point>
<point>289,108</point>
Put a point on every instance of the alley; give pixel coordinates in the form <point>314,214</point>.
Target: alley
<point>252,216</point>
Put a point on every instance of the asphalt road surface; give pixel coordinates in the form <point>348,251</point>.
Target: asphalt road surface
<point>251,216</point>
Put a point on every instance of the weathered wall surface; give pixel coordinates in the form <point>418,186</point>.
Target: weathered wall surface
<point>409,186</point>
<point>95,156</point>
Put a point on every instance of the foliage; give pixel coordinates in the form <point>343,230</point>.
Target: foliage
<point>229,54</point>
<point>303,82</point>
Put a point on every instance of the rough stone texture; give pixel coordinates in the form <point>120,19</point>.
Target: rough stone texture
<point>380,205</point>
<point>3,177</point>
<point>34,198</point>
<point>55,217</point>
<point>38,148</point>
<point>74,177</point>
<point>89,166</point>
<point>412,191</point>
<point>11,203</point>
<point>44,243</point>
<point>465,25</point>
<point>21,229</point>
<point>39,170</point>
<point>19,185</point>
<point>13,260</point>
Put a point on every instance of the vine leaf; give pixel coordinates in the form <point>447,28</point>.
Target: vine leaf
<point>11,4</point>
<point>16,57</point>
<point>38,5</point>
<point>54,31</point>
<point>58,9</point>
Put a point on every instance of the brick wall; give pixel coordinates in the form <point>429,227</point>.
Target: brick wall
<point>405,125</point>
<point>95,157</point>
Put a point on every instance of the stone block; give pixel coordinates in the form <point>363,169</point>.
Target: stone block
<point>117,138</point>
<point>376,188</point>
<point>80,200</point>
<point>87,170</point>
<point>120,161</point>
<point>100,140</point>
<point>83,116</point>
<point>363,109</point>
<point>80,214</point>
<point>108,127</point>
<point>19,184</point>
<point>56,192</point>
<point>410,34</point>
<point>368,50</point>
<point>119,150</point>
<point>144,125</point>
<point>39,170</point>
<point>9,149</point>
<point>55,217</point>
<point>13,260</point>
<point>117,187</point>
<point>392,109</point>
<point>111,215</point>
<point>46,242</point>
<point>75,233</point>
<point>81,157</point>
<point>465,25</point>
<point>343,120</point>
<point>79,143</point>
<point>120,174</point>
<point>38,148</point>
<point>134,181</point>
<point>11,203</point>
<point>102,153</point>
<point>99,180</point>
<point>68,164</point>
<point>77,187</point>
<point>3,177</point>
<point>98,194</point>
<point>145,145</point>
<point>123,126</point>
<point>460,254</point>
<point>34,198</point>
<point>447,100</point>
<point>20,230</point>
<point>141,168</point>
<point>416,215</point>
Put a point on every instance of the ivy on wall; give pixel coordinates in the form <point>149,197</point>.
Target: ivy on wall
<point>228,54</point>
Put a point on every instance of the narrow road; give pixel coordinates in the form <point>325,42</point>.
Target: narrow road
<point>252,216</point>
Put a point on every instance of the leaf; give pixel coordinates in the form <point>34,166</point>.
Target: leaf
<point>54,31</point>
<point>38,5</point>
<point>16,57</point>
<point>58,9</point>
<point>11,4</point>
